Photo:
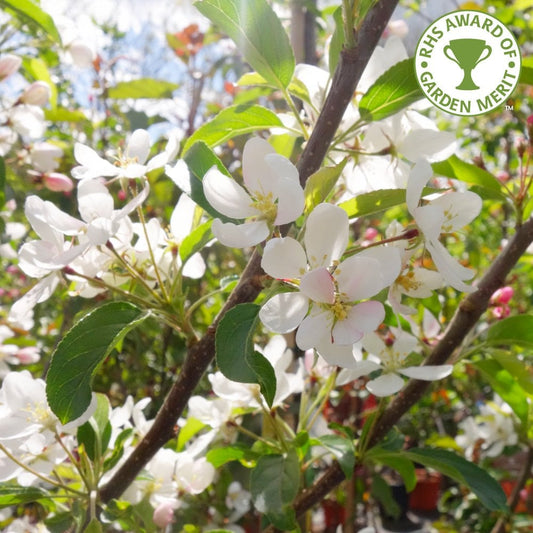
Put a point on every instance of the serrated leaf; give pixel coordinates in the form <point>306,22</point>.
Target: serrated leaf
<point>320,184</point>
<point>200,158</point>
<point>27,11</point>
<point>232,122</point>
<point>196,240</point>
<point>274,481</point>
<point>235,354</point>
<point>393,91</point>
<point>485,487</point>
<point>13,494</point>
<point>258,34</point>
<point>512,330</point>
<point>455,168</point>
<point>81,351</point>
<point>506,386</point>
<point>343,450</point>
<point>142,88</point>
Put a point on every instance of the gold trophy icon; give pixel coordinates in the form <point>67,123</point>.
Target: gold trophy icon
<point>467,53</point>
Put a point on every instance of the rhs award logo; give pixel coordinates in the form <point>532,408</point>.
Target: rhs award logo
<point>467,63</point>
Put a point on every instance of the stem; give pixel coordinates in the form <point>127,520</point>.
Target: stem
<point>295,112</point>
<point>348,73</point>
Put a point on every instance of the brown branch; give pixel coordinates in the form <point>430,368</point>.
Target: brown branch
<point>199,356</point>
<point>465,318</point>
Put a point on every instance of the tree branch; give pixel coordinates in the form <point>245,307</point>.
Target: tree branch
<point>465,318</point>
<point>200,355</point>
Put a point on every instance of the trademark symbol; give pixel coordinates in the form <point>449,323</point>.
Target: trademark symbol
<point>509,107</point>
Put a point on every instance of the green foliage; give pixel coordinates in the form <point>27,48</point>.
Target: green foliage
<point>392,92</point>
<point>258,34</point>
<point>142,88</point>
<point>343,449</point>
<point>232,122</point>
<point>513,330</point>
<point>274,484</point>
<point>96,432</point>
<point>196,240</point>
<point>320,185</point>
<point>81,351</point>
<point>235,352</point>
<point>13,494</point>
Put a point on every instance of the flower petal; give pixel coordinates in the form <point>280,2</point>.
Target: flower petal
<point>253,165</point>
<point>419,176</point>
<point>374,344</point>
<point>240,235</point>
<point>385,385</point>
<point>326,234</point>
<point>318,285</point>
<point>427,373</point>
<point>226,195</point>
<point>284,258</point>
<point>362,318</point>
<point>346,356</point>
<point>451,270</point>
<point>390,261</point>
<point>432,145</point>
<point>94,200</point>
<point>460,208</point>
<point>282,167</point>
<point>138,146</point>
<point>92,165</point>
<point>314,330</point>
<point>362,368</point>
<point>291,201</point>
<point>284,312</point>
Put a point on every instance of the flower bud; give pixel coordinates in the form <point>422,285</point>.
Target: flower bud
<point>164,514</point>
<point>38,93</point>
<point>502,296</point>
<point>54,181</point>
<point>82,55</point>
<point>9,64</point>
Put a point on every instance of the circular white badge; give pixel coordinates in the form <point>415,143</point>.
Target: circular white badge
<point>467,63</point>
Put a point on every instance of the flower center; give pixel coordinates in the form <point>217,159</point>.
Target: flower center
<point>122,161</point>
<point>265,204</point>
<point>339,308</point>
<point>408,281</point>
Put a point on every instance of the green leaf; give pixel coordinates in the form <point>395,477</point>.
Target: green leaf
<point>196,240</point>
<point>60,114</point>
<point>233,121</point>
<point>13,494</point>
<point>337,41</point>
<point>396,461</point>
<point>320,184</point>
<point>235,352</point>
<point>296,87</point>
<point>80,352</point>
<point>513,330</point>
<point>393,91</point>
<point>220,456</point>
<point>455,168</point>
<point>485,487</point>
<point>143,88</point>
<point>526,75</point>
<point>381,490</point>
<point>343,450</point>
<point>96,432</point>
<point>188,431</point>
<point>258,34</point>
<point>30,12</point>
<point>516,367</point>
<point>506,386</point>
<point>274,481</point>
<point>93,527</point>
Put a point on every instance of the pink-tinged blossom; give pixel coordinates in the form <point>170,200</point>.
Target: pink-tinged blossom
<point>502,296</point>
<point>445,214</point>
<point>82,54</point>
<point>393,362</point>
<point>38,93</point>
<point>9,64</point>
<point>330,307</point>
<point>164,514</point>
<point>57,182</point>
<point>132,163</point>
<point>271,196</point>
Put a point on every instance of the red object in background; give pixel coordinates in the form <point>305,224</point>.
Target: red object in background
<point>525,503</point>
<point>334,513</point>
<point>425,496</point>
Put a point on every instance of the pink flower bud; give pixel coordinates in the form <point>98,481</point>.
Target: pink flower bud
<point>502,311</point>
<point>371,234</point>
<point>82,55</point>
<point>27,355</point>
<point>9,64</point>
<point>122,195</point>
<point>38,93</point>
<point>54,181</point>
<point>502,296</point>
<point>164,514</point>
<point>503,176</point>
